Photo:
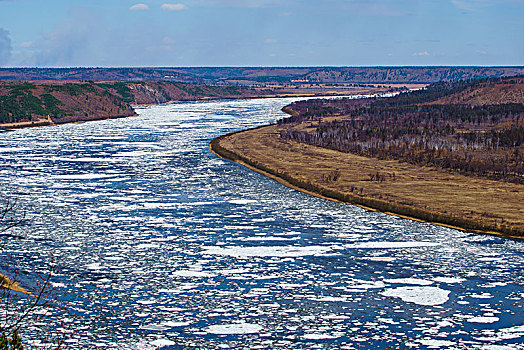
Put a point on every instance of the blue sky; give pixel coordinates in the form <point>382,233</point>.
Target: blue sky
<point>122,33</point>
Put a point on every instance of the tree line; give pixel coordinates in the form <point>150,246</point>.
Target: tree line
<point>482,140</point>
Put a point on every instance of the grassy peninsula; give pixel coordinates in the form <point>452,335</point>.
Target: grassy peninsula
<point>451,154</point>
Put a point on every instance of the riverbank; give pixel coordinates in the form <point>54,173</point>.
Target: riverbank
<point>420,193</point>
<point>8,283</point>
<point>26,105</point>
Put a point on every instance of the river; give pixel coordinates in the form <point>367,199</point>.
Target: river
<point>157,243</point>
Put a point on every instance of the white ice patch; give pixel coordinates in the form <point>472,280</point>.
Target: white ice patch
<point>94,266</point>
<point>436,343</point>
<point>13,149</point>
<point>242,201</point>
<point>162,342</point>
<point>147,246</point>
<point>390,245</point>
<point>379,258</point>
<point>481,296</point>
<point>270,238</point>
<point>503,334</point>
<point>284,251</point>
<point>234,328</point>
<point>82,176</point>
<point>366,284</point>
<point>190,273</point>
<point>483,319</point>
<point>318,336</point>
<point>449,279</point>
<point>416,281</point>
<point>419,295</point>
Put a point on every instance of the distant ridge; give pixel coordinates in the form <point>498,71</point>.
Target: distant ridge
<point>265,75</point>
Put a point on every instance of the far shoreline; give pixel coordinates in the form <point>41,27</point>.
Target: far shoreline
<point>4,127</point>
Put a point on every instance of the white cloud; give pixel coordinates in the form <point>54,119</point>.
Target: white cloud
<point>139,7</point>
<point>472,5</point>
<point>174,7</point>
<point>270,41</point>
<point>26,44</point>
<point>423,53</point>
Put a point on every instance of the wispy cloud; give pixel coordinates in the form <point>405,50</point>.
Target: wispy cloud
<point>423,53</point>
<point>71,41</point>
<point>464,5</point>
<point>472,5</point>
<point>5,47</point>
<point>139,7</point>
<point>174,7</point>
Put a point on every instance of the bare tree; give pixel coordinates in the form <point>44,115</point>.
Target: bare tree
<point>18,305</point>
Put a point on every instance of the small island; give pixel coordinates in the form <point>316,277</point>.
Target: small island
<point>450,154</point>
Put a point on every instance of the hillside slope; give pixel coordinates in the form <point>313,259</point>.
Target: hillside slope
<point>26,104</point>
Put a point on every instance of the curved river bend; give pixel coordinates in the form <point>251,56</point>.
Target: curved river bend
<point>159,243</point>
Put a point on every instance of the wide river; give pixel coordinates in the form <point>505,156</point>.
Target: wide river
<point>157,242</point>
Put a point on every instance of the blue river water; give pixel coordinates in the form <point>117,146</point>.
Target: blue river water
<point>158,243</point>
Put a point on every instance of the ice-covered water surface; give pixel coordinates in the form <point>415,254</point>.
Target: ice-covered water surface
<point>159,243</point>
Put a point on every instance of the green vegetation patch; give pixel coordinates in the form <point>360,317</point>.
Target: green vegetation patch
<point>121,89</point>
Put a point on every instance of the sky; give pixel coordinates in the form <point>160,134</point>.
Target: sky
<point>184,33</point>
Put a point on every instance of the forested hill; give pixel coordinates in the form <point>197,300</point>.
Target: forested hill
<point>264,75</point>
<point>54,103</point>
<point>473,127</point>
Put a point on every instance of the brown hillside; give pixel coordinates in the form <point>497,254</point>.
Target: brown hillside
<point>488,94</point>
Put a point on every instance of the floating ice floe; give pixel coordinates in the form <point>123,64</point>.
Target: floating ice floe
<point>436,343</point>
<point>391,245</point>
<point>94,266</point>
<point>419,295</point>
<point>147,246</point>
<point>190,273</point>
<point>242,201</point>
<point>234,328</point>
<point>269,238</point>
<point>379,258</point>
<point>449,279</point>
<point>483,319</point>
<point>162,342</point>
<point>481,296</point>
<point>495,284</point>
<point>318,336</point>
<point>361,284</point>
<point>417,281</point>
<point>277,251</point>
<point>82,176</point>
<point>513,332</point>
